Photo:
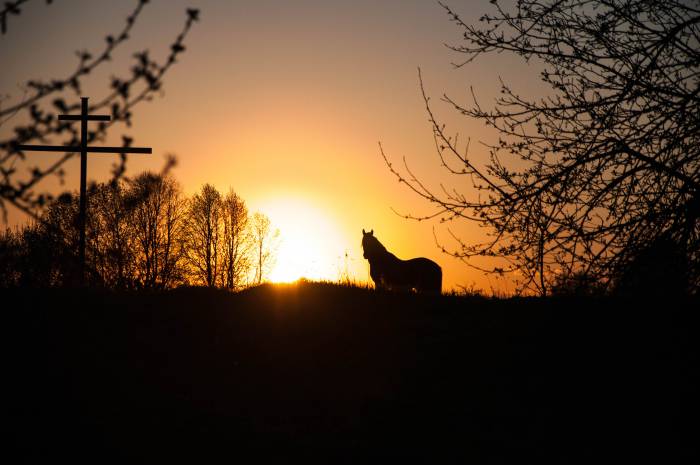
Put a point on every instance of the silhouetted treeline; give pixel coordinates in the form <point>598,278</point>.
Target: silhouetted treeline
<point>142,233</point>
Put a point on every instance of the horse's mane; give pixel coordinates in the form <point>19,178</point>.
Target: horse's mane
<point>373,245</point>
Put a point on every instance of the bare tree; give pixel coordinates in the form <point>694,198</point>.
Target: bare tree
<point>236,243</point>
<point>174,242</point>
<point>114,248</point>
<point>44,98</point>
<point>204,231</point>
<point>49,247</point>
<point>156,213</point>
<point>10,258</point>
<point>43,252</point>
<point>264,239</point>
<point>586,178</point>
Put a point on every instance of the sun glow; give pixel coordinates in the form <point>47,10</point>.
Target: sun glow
<point>310,245</point>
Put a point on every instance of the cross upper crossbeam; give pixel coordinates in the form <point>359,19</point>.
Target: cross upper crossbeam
<point>86,117</point>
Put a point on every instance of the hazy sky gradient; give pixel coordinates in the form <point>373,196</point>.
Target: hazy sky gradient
<point>284,102</point>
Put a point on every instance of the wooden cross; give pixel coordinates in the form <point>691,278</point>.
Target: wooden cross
<point>83,148</point>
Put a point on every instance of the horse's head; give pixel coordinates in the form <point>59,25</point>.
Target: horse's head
<point>370,245</point>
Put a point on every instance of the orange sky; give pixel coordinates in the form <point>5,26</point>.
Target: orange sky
<point>285,102</point>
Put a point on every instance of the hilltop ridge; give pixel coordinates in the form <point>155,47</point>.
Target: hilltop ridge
<point>341,374</point>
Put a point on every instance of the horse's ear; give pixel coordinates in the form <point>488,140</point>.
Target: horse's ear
<point>363,231</point>
<point>371,233</point>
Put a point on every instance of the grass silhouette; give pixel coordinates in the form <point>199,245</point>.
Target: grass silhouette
<point>340,374</point>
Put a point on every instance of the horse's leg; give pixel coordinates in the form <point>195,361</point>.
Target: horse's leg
<point>380,283</point>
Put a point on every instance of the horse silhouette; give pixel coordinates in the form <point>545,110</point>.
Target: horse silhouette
<point>391,273</point>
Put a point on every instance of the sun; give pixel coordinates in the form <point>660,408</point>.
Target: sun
<point>310,243</point>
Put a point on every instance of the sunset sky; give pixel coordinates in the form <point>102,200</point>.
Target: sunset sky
<point>285,102</point>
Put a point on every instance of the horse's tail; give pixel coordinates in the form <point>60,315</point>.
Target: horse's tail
<point>435,284</point>
<point>438,280</point>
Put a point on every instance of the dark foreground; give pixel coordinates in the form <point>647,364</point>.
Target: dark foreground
<point>319,373</point>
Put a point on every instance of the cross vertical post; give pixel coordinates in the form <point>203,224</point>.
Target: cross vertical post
<point>83,185</point>
<point>84,149</point>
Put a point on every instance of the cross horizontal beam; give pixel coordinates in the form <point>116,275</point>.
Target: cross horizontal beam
<point>84,117</point>
<point>78,148</point>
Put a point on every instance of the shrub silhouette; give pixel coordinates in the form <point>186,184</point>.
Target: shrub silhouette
<point>660,269</point>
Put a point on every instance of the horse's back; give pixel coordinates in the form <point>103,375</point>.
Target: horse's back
<point>425,263</point>
<point>427,275</point>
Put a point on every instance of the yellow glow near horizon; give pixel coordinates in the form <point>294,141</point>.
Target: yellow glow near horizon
<point>302,149</point>
<point>310,244</point>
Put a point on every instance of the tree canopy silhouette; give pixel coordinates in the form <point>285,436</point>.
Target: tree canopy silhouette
<point>604,167</point>
<point>264,243</point>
